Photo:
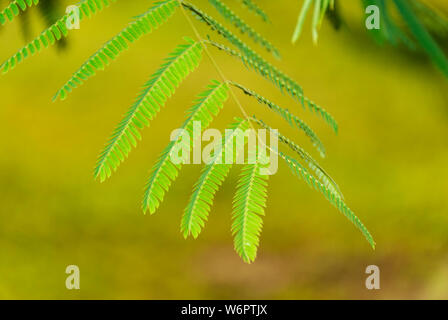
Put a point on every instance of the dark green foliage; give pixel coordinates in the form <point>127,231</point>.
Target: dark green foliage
<point>252,6</point>
<point>292,119</point>
<point>213,175</point>
<point>422,35</point>
<point>281,81</point>
<point>248,208</point>
<point>141,25</point>
<point>331,196</point>
<point>419,19</point>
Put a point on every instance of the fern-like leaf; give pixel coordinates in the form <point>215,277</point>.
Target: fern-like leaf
<point>14,8</point>
<point>221,30</point>
<point>323,176</point>
<point>282,81</point>
<point>141,25</point>
<point>162,84</point>
<point>241,45</point>
<point>165,170</point>
<point>212,177</point>
<point>233,18</point>
<point>251,59</point>
<point>293,120</point>
<point>252,6</point>
<point>50,10</point>
<point>332,197</point>
<point>248,208</point>
<point>52,34</point>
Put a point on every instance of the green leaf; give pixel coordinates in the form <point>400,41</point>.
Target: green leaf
<point>162,84</point>
<point>233,18</point>
<point>248,208</point>
<point>332,197</point>
<point>252,6</point>
<point>141,25</point>
<point>212,177</point>
<point>293,120</point>
<point>48,36</point>
<point>165,171</point>
<point>389,30</point>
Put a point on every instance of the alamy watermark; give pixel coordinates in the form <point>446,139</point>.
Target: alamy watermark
<point>373,280</point>
<point>237,147</point>
<point>73,17</point>
<point>373,21</point>
<point>73,280</point>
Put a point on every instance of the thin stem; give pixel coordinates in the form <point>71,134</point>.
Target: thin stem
<point>215,64</point>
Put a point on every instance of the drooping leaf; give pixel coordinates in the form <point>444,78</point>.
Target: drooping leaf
<point>212,176</point>
<point>165,171</point>
<point>52,34</point>
<point>161,85</point>
<point>248,209</point>
<point>321,174</point>
<point>14,8</point>
<point>282,82</point>
<point>293,120</point>
<point>332,197</point>
<point>143,24</point>
<point>252,6</point>
<point>233,18</point>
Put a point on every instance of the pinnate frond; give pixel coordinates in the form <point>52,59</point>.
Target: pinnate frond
<point>261,65</point>
<point>292,119</point>
<point>53,33</point>
<point>248,208</point>
<point>332,197</point>
<point>323,176</point>
<point>14,8</point>
<point>221,30</point>
<point>143,24</point>
<point>254,61</point>
<point>165,171</point>
<point>281,81</point>
<point>252,6</point>
<point>162,84</point>
<point>212,176</point>
<point>233,18</point>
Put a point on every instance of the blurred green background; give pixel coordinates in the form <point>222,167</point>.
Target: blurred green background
<point>390,159</point>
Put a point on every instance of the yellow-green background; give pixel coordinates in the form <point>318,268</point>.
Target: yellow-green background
<point>390,160</point>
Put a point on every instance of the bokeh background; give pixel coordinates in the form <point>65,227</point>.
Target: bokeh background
<point>390,160</point>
